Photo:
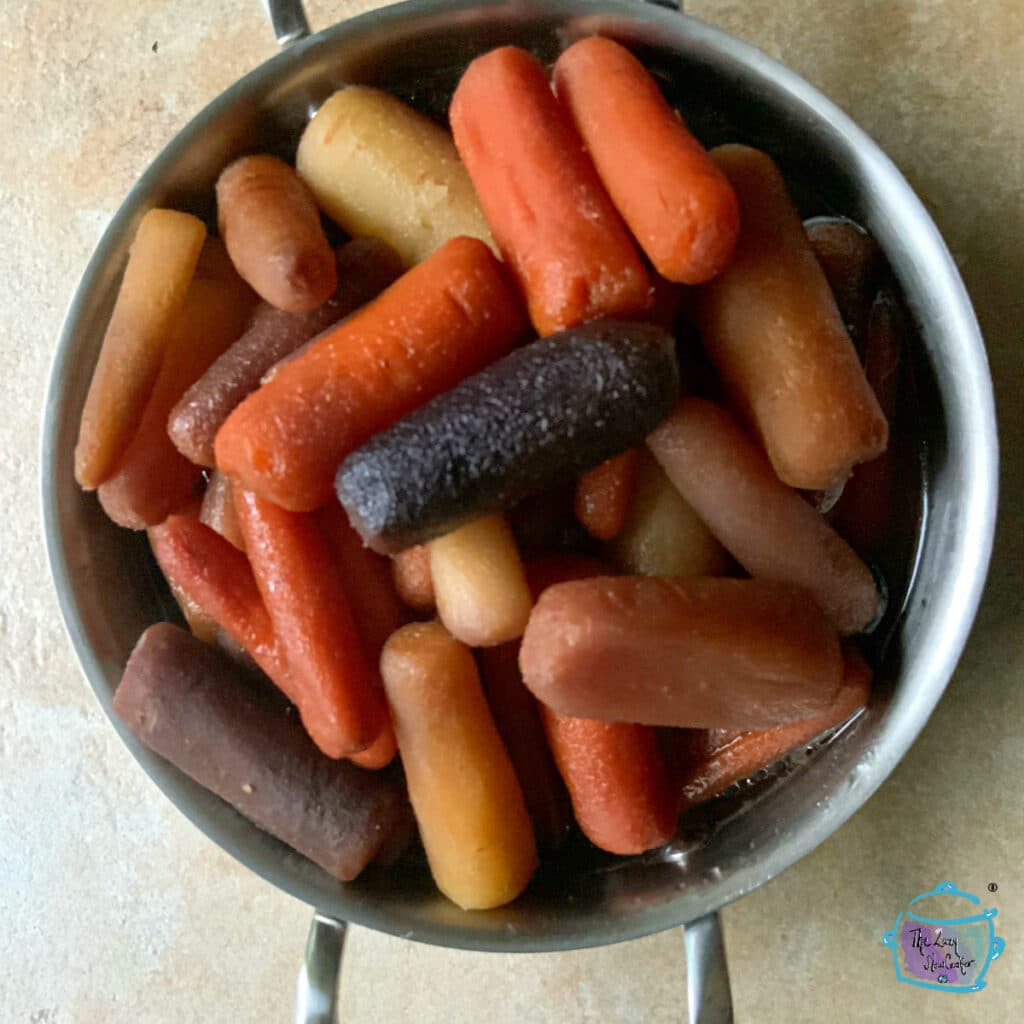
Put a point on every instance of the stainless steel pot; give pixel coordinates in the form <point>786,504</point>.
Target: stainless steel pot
<point>107,587</point>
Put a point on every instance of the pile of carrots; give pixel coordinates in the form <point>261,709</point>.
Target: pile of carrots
<point>670,614</point>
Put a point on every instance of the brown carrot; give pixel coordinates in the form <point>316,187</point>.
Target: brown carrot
<point>271,226</point>
<point>767,527</point>
<point>771,326</point>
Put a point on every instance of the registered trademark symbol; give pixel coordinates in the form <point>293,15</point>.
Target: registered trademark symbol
<point>992,887</point>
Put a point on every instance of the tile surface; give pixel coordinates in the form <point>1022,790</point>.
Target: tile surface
<point>114,908</point>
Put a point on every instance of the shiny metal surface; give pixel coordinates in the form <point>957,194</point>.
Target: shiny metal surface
<point>708,996</point>
<point>316,993</point>
<point>288,20</point>
<point>109,592</point>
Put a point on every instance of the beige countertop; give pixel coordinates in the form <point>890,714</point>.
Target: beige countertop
<point>114,908</point>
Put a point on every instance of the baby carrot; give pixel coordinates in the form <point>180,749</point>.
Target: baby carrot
<point>479,583</point>
<point>767,527</point>
<point>410,569</point>
<point>678,204</point>
<point>160,267</point>
<point>336,688</point>
<point>462,785</point>
<point>709,761</point>
<point>446,318</point>
<point>604,494</point>
<point>694,652</point>
<point>771,326</point>
<point>218,578</point>
<point>518,720</point>
<point>271,226</point>
<point>551,217</point>
<point>615,774</point>
<point>153,478</point>
<point>361,138</point>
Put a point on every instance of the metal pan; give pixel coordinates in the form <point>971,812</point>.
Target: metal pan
<point>106,582</point>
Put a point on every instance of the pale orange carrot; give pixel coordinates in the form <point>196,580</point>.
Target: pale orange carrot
<point>160,266</point>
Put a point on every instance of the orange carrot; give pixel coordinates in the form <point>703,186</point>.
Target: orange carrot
<point>771,326</point>
<point>410,570</point>
<point>709,761</point>
<point>615,774</point>
<point>677,203</point>
<point>517,717</point>
<point>153,478</point>
<point>160,266</point>
<point>271,226</point>
<point>603,495</point>
<point>336,688</point>
<point>462,785</point>
<point>550,215</point>
<point>448,317</point>
<point>218,510</point>
<point>218,578</point>
<point>862,513</point>
<point>767,527</point>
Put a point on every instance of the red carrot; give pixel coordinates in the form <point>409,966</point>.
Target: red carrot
<point>218,577</point>
<point>336,689</point>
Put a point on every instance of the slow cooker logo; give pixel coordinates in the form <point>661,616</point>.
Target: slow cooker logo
<point>951,953</point>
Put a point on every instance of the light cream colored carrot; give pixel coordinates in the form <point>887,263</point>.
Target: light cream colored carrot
<point>479,583</point>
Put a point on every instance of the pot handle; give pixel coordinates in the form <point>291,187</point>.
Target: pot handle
<point>708,995</point>
<point>290,24</point>
<point>316,992</point>
<point>288,20</point>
